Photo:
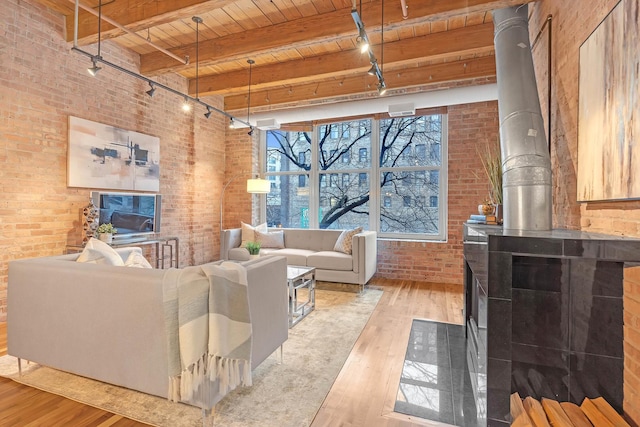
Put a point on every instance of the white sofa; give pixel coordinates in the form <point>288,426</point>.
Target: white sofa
<point>314,248</point>
<point>107,323</point>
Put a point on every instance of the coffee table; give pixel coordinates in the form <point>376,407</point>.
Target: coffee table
<point>299,277</point>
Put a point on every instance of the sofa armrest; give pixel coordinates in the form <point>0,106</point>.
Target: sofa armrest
<point>229,239</point>
<point>268,299</point>
<point>365,255</point>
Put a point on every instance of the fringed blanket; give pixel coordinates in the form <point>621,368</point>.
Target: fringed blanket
<point>208,330</point>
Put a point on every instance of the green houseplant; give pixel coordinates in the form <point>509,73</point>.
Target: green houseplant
<point>106,231</point>
<point>253,248</point>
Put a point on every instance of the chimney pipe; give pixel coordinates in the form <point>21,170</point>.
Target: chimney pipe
<point>526,165</point>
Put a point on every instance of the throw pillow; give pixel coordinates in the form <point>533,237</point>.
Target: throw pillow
<point>136,259</point>
<point>274,239</point>
<point>345,240</point>
<point>98,252</point>
<point>248,232</point>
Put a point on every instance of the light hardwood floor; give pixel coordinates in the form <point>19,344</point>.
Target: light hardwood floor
<point>362,395</point>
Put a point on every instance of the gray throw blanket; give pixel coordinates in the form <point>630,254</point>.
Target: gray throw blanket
<point>208,328</point>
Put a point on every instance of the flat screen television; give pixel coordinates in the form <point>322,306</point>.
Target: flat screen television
<point>134,215</point>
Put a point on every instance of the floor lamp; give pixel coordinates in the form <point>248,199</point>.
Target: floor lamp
<point>254,186</point>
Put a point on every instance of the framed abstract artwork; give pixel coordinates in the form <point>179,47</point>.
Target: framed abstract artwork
<point>609,108</point>
<point>103,156</point>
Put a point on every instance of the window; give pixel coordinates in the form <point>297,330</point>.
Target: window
<point>396,164</point>
<point>346,156</point>
<point>404,167</point>
<point>333,131</point>
<point>362,155</point>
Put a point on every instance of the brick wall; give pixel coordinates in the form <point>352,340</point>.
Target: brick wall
<point>572,23</point>
<point>470,126</point>
<point>42,82</point>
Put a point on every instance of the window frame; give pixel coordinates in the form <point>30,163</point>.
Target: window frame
<point>374,171</point>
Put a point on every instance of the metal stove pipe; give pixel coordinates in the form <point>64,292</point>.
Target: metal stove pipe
<point>526,165</point>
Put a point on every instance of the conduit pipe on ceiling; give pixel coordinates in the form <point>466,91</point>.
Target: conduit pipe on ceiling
<point>526,164</point>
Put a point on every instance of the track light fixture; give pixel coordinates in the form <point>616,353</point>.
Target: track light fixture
<point>208,113</point>
<point>232,123</point>
<point>186,106</point>
<point>151,91</point>
<point>374,69</point>
<point>94,59</point>
<point>362,41</point>
<point>382,87</point>
<point>94,70</point>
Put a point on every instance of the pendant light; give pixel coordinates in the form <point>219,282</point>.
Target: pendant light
<point>95,68</point>
<point>250,62</point>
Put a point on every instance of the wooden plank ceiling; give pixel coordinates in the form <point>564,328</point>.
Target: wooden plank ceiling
<point>303,49</point>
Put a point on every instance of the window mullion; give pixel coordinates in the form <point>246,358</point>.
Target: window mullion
<point>374,180</point>
<point>314,194</point>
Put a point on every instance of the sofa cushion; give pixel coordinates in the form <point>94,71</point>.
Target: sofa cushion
<point>248,232</point>
<point>345,241</point>
<point>294,256</point>
<point>136,259</point>
<point>330,260</point>
<point>273,239</point>
<point>98,252</point>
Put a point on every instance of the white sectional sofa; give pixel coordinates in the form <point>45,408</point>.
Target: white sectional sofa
<point>107,322</point>
<point>315,248</point>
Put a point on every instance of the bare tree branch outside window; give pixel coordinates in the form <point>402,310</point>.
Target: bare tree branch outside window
<point>409,162</point>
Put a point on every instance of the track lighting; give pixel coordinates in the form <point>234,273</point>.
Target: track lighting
<point>232,123</point>
<point>151,91</point>
<point>189,101</point>
<point>94,70</point>
<point>186,107</point>
<point>374,69</point>
<point>362,40</point>
<point>382,87</point>
<point>250,131</point>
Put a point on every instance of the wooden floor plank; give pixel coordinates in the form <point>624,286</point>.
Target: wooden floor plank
<point>363,394</point>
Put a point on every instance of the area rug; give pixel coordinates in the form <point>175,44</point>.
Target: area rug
<point>282,395</point>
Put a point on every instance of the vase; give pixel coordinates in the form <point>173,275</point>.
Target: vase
<point>106,237</point>
<point>486,209</point>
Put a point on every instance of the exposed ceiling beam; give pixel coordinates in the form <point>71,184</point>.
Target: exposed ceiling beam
<point>311,30</point>
<point>475,39</point>
<point>136,15</point>
<point>408,77</point>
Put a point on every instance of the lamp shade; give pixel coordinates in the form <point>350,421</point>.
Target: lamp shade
<point>258,186</point>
